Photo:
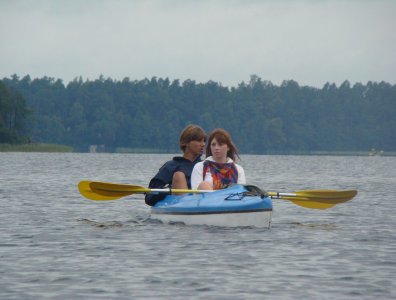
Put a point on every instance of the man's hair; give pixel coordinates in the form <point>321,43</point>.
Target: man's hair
<point>191,133</point>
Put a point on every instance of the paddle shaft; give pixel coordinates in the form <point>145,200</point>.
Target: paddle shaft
<point>280,195</point>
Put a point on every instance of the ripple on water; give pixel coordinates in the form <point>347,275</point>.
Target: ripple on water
<point>56,245</point>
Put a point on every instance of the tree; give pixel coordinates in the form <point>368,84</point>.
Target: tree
<point>13,114</point>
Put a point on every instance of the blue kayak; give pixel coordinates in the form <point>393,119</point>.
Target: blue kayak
<point>235,206</point>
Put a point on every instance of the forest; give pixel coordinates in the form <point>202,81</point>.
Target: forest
<point>13,114</point>
<point>147,115</point>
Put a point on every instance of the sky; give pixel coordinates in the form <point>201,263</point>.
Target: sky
<point>226,41</point>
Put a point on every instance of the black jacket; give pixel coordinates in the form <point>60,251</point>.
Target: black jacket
<point>165,175</point>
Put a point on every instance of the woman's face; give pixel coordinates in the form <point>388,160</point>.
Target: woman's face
<point>219,151</point>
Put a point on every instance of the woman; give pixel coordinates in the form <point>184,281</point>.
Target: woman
<point>218,170</point>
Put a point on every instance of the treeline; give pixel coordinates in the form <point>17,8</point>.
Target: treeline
<point>13,114</point>
<point>262,117</point>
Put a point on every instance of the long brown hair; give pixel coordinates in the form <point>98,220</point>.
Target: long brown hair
<point>223,137</point>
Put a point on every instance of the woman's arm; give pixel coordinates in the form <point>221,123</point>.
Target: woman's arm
<point>196,175</point>
<point>241,175</point>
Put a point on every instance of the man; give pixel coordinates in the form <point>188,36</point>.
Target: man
<point>176,173</point>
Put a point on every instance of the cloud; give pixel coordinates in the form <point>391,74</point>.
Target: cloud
<point>312,42</point>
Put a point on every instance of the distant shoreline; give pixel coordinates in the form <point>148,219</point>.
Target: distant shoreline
<point>54,148</point>
<point>35,147</point>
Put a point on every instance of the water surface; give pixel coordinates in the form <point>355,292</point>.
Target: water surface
<point>56,245</point>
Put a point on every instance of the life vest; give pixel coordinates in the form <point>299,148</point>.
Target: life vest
<point>223,175</point>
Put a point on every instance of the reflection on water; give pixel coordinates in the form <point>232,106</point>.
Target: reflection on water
<point>316,225</point>
<point>54,244</point>
<point>104,225</point>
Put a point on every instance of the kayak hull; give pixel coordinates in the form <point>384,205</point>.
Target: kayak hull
<point>250,219</point>
<point>237,206</point>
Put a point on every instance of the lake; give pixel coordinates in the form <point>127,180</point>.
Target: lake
<point>55,244</point>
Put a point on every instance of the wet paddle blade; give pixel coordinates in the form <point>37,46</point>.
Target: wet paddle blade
<point>117,188</point>
<point>327,194</point>
<point>100,191</point>
<point>316,199</point>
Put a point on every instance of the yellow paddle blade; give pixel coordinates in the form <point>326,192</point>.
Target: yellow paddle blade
<point>327,194</point>
<point>316,199</point>
<point>310,204</point>
<point>317,203</point>
<point>118,188</point>
<point>92,190</point>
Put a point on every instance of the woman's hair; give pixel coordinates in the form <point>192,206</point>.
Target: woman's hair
<point>191,133</point>
<point>223,137</point>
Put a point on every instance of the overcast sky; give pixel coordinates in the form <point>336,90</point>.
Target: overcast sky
<point>311,42</point>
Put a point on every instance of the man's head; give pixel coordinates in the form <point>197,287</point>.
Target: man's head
<point>189,134</point>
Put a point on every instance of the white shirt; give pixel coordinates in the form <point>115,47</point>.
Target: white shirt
<point>197,173</point>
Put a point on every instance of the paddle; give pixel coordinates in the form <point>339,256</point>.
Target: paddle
<point>317,199</point>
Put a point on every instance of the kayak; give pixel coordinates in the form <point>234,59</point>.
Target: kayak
<point>239,205</point>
